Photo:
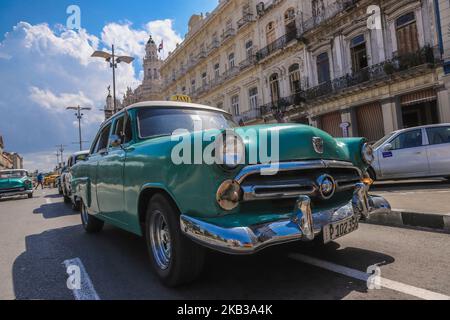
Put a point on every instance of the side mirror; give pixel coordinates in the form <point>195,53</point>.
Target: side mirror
<point>387,147</point>
<point>116,141</point>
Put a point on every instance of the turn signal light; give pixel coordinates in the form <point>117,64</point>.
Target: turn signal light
<point>367,181</point>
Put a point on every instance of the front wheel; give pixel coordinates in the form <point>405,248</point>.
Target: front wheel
<point>176,259</point>
<point>90,223</point>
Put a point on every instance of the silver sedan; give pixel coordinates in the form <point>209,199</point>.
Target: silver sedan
<point>413,153</point>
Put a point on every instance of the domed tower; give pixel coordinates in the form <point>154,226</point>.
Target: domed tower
<point>152,83</point>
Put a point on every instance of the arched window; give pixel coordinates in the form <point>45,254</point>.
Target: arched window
<point>407,36</point>
<point>274,87</point>
<point>289,21</point>
<point>294,78</point>
<point>270,32</point>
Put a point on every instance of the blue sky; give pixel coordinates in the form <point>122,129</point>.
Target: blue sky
<point>97,13</point>
<point>45,67</point>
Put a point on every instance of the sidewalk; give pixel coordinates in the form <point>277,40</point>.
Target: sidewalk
<point>415,203</point>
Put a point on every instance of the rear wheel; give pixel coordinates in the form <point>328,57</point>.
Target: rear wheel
<point>30,195</point>
<point>76,205</point>
<point>90,223</point>
<point>176,259</point>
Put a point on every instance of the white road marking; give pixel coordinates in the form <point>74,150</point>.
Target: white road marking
<point>359,275</point>
<point>86,290</point>
<point>48,201</point>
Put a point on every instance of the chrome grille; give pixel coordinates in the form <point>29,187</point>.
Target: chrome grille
<point>295,179</point>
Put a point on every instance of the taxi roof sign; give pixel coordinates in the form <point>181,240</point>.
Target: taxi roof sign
<point>181,98</point>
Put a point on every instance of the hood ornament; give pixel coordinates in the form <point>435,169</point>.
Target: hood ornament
<point>318,144</point>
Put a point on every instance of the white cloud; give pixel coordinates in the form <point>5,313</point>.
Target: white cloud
<point>58,103</point>
<point>42,71</point>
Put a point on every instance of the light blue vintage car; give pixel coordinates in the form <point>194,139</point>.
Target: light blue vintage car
<point>15,183</point>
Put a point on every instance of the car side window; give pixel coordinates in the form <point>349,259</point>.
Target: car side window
<point>411,139</point>
<point>123,130</point>
<point>438,135</point>
<point>102,144</point>
<point>128,132</point>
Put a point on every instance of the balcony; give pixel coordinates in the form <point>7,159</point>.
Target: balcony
<point>263,10</point>
<point>379,72</point>
<point>215,43</point>
<point>230,73</point>
<point>281,105</point>
<point>247,63</point>
<point>202,55</point>
<point>329,13</point>
<point>228,34</point>
<point>249,116</point>
<point>245,20</point>
<point>277,45</point>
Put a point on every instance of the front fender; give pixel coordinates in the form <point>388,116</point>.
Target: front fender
<point>81,187</point>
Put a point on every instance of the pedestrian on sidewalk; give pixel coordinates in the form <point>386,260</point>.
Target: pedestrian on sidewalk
<point>40,181</point>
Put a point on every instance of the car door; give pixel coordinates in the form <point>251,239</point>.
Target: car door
<point>406,157</point>
<point>438,150</point>
<point>110,169</point>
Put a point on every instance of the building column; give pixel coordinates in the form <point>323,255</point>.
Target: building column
<point>391,108</point>
<point>348,119</point>
<point>444,104</point>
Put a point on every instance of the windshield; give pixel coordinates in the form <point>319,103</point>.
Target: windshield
<point>382,140</point>
<point>161,122</point>
<point>12,174</point>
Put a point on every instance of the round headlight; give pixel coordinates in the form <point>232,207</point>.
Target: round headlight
<point>228,195</point>
<point>230,150</point>
<point>367,154</point>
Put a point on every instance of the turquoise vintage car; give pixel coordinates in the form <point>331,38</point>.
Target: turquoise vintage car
<point>316,189</point>
<point>15,183</point>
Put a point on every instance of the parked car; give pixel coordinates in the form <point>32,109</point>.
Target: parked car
<point>419,152</point>
<point>15,183</point>
<point>66,178</point>
<point>50,180</point>
<point>130,179</point>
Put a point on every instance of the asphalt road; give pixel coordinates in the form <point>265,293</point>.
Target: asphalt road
<point>37,235</point>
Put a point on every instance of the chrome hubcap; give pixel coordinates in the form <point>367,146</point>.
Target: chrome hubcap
<point>84,214</point>
<point>160,240</point>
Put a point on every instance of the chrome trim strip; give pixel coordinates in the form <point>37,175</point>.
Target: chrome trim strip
<point>303,225</point>
<point>297,165</point>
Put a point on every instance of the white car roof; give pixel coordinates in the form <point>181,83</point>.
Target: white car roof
<point>173,104</point>
<point>79,153</point>
<point>423,127</point>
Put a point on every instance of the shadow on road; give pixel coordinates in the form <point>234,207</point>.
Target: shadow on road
<point>119,267</point>
<point>55,210</point>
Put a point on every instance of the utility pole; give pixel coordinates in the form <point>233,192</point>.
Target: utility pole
<point>79,116</point>
<point>61,151</point>
<point>57,158</point>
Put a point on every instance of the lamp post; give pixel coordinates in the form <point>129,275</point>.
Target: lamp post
<point>79,116</point>
<point>113,61</point>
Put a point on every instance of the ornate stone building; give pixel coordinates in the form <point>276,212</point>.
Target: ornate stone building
<point>346,66</point>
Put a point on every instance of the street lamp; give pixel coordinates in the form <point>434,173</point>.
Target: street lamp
<point>113,62</point>
<point>79,116</point>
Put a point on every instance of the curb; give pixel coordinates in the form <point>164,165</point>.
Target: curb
<point>400,218</point>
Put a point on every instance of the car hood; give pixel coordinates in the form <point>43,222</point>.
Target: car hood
<point>295,142</point>
<point>12,183</point>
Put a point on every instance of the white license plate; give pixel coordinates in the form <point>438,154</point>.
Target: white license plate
<point>339,229</point>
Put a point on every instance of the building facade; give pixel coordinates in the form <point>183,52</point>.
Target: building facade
<point>349,67</point>
<point>9,160</point>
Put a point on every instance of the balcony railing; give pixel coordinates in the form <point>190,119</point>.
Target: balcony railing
<point>377,72</point>
<point>228,33</point>
<point>231,72</point>
<point>250,115</point>
<point>282,104</point>
<point>247,63</point>
<point>278,44</point>
<point>328,13</point>
<point>215,43</point>
<point>245,20</point>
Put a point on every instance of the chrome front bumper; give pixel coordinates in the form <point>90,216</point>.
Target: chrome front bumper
<point>15,193</point>
<point>303,225</point>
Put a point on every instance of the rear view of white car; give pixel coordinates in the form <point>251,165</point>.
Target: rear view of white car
<point>413,153</point>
